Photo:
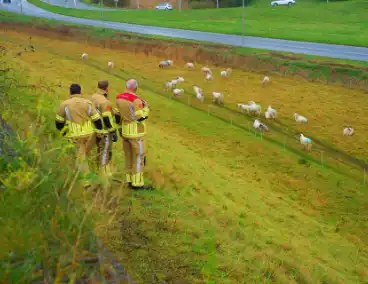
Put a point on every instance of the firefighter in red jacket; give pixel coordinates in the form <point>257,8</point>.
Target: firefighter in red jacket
<point>132,127</point>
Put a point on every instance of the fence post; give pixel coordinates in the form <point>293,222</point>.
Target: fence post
<point>322,158</point>
<point>248,127</point>
<point>364,176</point>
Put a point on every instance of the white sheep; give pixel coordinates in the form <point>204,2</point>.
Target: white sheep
<point>226,73</point>
<point>189,65</point>
<point>178,92</point>
<point>199,93</point>
<point>244,107</point>
<point>170,85</point>
<point>348,131</point>
<point>180,79</point>
<point>218,98</point>
<point>84,56</point>
<point>110,65</point>
<point>299,118</point>
<point>255,108</point>
<point>208,76</point>
<point>206,70</point>
<point>260,126</point>
<point>166,63</point>
<point>306,142</point>
<point>270,113</point>
<point>265,81</point>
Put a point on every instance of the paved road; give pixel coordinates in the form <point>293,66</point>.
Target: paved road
<point>76,4</point>
<point>327,50</point>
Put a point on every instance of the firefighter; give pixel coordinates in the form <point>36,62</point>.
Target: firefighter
<point>78,120</point>
<point>134,113</point>
<point>108,135</point>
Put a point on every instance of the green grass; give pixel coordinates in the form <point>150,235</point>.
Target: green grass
<point>336,22</point>
<point>230,207</point>
<point>46,226</point>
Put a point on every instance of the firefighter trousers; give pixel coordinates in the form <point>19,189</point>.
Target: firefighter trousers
<point>83,148</point>
<point>104,153</point>
<point>135,160</point>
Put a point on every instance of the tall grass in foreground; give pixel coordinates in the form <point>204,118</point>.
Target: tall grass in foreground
<point>46,220</point>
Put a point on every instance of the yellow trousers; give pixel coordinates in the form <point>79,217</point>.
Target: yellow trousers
<point>135,158</point>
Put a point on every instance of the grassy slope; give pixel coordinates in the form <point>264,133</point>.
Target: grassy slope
<point>42,227</point>
<point>339,23</point>
<point>234,208</point>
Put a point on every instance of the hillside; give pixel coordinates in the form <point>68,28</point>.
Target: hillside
<point>230,206</point>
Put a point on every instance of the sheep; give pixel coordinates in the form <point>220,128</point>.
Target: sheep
<point>348,131</point>
<point>226,73</point>
<point>180,79</point>
<point>255,108</point>
<point>170,85</point>
<point>110,65</point>
<point>218,98</point>
<point>84,56</point>
<point>208,76</point>
<point>260,126</point>
<point>270,113</point>
<point>306,142</point>
<point>244,107</point>
<point>265,81</point>
<point>206,70</point>
<point>199,93</point>
<point>189,65</point>
<point>166,63</point>
<point>178,92</point>
<point>300,119</point>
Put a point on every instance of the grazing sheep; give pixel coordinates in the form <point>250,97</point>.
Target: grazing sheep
<point>180,79</point>
<point>110,65</point>
<point>270,113</point>
<point>199,93</point>
<point>300,119</point>
<point>189,65</point>
<point>244,107</point>
<point>306,142</point>
<point>255,108</point>
<point>208,76</point>
<point>260,126</point>
<point>226,73</point>
<point>348,131</point>
<point>166,63</point>
<point>206,70</point>
<point>170,85</point>
<point>178,92</point>
<point>218,98</point>
<point>84,56</point>
<point>265,81</point>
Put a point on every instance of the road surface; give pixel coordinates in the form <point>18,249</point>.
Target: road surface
<point>318,49</point>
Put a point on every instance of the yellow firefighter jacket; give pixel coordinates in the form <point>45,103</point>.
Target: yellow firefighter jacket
<point>104,108</point>
<point>133,112</point>
<point>78,115</point>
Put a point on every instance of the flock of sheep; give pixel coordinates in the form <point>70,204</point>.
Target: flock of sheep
<point>218,98</point>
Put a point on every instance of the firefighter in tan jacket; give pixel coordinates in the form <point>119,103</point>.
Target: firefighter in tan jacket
<point>134,113</point>
<point>104,140</point>
<point>78,120</point>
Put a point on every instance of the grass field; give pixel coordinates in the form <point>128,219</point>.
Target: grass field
<point>230,207</point>
<point>339,23</point>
